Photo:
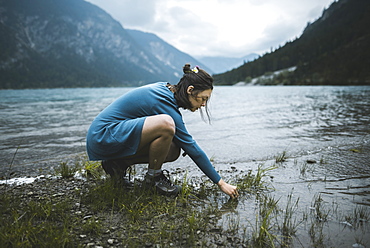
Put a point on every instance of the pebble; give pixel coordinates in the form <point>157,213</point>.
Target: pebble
<point>87,217</point>
<point>311,161</point>
<point>58,194</point>
<point>346,223</point>
<point>358,246</point>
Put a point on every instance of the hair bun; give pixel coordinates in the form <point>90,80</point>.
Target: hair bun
<point>186,68</point>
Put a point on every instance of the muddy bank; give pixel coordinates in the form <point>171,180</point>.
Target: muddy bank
<point>66,204</point>
<point>317,199</point>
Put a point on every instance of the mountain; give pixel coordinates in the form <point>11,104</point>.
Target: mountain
<point>333,50</point>
<point>72,43</point>
<point>164,52</point>
<point>223,64</point>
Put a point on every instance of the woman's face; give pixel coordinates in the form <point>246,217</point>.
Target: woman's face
<point>198,99</point>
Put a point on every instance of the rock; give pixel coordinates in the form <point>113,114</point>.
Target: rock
<point>311,161</point>
<point>58,194</point>
<point>355,150</point>
<point>216,230</point>
<point>87,217</point>
<point>358,246</point>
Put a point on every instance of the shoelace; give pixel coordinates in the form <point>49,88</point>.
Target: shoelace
<point>163,178</point>
<point>129,171</point>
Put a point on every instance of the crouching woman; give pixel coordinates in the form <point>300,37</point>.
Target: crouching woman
<point>146,126</point>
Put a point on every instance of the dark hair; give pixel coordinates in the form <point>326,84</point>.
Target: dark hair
<point>199,79</point>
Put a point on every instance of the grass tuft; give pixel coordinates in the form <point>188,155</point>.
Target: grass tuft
<point>65,171</point>
<point>255,182</point>
<point>280,158</point>
<point>359,216</point>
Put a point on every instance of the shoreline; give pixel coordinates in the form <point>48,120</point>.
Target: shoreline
<point>99,214</point>
<point>109,226</point>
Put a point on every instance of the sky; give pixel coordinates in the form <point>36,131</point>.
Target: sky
<point>229,28</point>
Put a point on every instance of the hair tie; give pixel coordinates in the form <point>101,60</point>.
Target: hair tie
<point>196,69</point>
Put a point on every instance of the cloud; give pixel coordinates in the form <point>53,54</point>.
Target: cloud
<point>130,13</point>
<point>277,34</point>
<point>181,28</point>
<point>217,27</point>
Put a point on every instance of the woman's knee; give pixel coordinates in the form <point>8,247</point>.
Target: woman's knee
<point>166,124</point>
<point>157,126</point>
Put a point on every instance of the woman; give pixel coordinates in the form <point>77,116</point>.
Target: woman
<point>146,126</point>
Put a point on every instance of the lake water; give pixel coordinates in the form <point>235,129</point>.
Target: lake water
<point>248,123</point>
<point>250,126</point>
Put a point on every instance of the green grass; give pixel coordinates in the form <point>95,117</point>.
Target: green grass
<point>90,169</point>
<point>281,157</point>
<point>263,231</point>
<point>52,221</point>
<point>65,171</point>
<point>255,182</point>
<point>290,224</point>
<point>141,207</point>
<point>87,169</point>
<point>140,217</point>
<point>41,223</point>
<point>359,216</point>
<point>320,212</point>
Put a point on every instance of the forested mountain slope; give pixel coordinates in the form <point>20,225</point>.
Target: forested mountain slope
<point>334,50</point>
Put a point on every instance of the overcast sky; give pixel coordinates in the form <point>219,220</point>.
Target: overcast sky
<point>231,28</point>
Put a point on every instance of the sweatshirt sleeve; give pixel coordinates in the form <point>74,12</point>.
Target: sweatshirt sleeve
<point>189,145</point>
<point>186,142</point>
<point>182,138</point>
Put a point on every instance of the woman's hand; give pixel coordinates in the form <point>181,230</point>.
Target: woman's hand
<point>229,189</point>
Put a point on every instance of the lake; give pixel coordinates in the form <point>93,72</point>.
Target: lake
<point>250,126</point>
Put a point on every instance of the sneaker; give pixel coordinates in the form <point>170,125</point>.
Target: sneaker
<point>162,184</point>
<point>117,169</point>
